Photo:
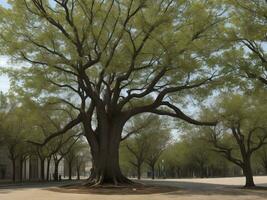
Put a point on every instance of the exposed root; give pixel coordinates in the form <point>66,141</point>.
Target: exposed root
<point>116,182</point>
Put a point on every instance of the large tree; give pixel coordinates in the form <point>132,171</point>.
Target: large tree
<point>242,130</point>
<point>112,60</point>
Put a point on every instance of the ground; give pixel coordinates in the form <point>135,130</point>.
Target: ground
<point>182,189</point>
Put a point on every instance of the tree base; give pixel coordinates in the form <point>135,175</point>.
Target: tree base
<point>103,181</point>
<point>250,187</point>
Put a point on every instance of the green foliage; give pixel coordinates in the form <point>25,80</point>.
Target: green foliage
<point>149,139</point>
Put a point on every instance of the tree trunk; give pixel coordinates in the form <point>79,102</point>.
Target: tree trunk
<point>21,170</point>
<point>42,169</point>
<point>105,156</point>
<point>70,170</point>
<point>48,169</point>
<point>106,169</point>
<point>13,170</point>
<point>138,171</point>
<point>248,174</point>
<point>56,171</point>
<point>78,173</point>
<point>153,171</point>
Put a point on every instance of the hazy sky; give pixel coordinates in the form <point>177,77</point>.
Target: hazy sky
<point>4,84</point>
<point>3,2</point>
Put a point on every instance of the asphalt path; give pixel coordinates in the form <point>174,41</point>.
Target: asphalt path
<point>206,184</point>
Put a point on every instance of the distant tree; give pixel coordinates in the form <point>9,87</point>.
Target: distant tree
<point>149,137</point>
<point>159,139</point>
<point>68,143</point>
<point>14,129</point>
<point>197,152</point>
<point>242,130</point>
<point>174,160</point>
<point>43,120</point>
<point>73,157</point>
<point>262,158</point>
<point>81,159</point>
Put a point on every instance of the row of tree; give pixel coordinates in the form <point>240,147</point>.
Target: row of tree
<point>23,121</point>
<point>236,146</point>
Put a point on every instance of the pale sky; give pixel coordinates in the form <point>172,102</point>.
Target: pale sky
<point>4,83</point>
<point>3,2</point>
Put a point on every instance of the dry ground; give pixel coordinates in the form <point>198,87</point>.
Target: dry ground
<point>180,189</point>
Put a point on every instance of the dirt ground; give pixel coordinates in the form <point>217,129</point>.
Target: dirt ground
<point>180,189</point>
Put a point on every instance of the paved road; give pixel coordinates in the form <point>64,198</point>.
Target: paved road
<point>207,183</point>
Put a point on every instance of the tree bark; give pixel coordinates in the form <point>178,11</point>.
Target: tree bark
<point>105,155</point>
<point>138,171</point>
<point>70,169</point>
<point>248,173</point>
<point>106,169</point>
<point>56,171</point>
<point>42,162</point>
<point>13,170</point>
<point>48,169</point>
<point>78,173</point>
<point>21,169</point>
<point>153,171</point>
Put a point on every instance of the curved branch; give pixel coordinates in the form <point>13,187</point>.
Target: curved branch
<point>179,114</point>
<point>67,127</point>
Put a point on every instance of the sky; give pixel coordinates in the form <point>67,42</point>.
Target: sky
<point>4,83</point>
<point>3,2</point>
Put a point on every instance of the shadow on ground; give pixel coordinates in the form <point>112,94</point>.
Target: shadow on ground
<point>169,188</point>
<point>118,190</point>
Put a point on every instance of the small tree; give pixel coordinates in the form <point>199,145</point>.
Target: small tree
<point>158,144</point>
<point>74,158</point>
<point>82,157</point>
<point>68,143</point>
<point>138,148</point>
<point>14,129</point>
<point>148,141</point>
<point>197,152</point>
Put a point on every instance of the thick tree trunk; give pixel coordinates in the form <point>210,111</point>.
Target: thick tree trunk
<point>42,163</point>
<point>105,150</point>
<point>248,174</point>
<point>14,170</point>
<point>48,169</point>
<point>106,169</point>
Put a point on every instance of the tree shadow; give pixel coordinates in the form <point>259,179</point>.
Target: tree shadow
<point>195,188</point>
<point>169,188</point>
<point>115,190</point>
